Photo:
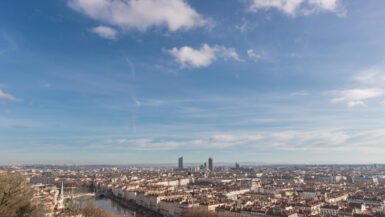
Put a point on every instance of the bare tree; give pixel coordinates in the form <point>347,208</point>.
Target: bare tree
<point>16,197</point>
<point>92,211</point>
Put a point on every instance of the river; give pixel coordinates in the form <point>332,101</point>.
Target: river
<point>108,205</point>
<point>113,206</point>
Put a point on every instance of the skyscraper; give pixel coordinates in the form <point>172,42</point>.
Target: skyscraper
<point>211,164</point>
<point>180,163</point>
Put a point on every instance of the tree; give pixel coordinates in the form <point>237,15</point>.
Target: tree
<point>16,196</point>
<point>92,211</point>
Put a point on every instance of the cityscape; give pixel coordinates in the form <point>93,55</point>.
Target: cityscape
<point>209,190</point>
<point>192,108</point>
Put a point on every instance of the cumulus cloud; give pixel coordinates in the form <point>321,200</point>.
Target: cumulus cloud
<point>7,96</point>
<point>202,57</point>
<point>300,7</point>
<point>355,97</point>
<point>141,14</point>
<point>105,32</point>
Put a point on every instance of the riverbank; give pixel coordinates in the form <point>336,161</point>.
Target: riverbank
<point>139,210</point>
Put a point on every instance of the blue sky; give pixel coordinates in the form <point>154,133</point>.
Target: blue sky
<point>147,81</point>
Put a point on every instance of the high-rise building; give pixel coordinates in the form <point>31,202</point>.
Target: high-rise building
<point>211,164</point>
<point>180,163</point>
<point>237,165</point>
<point>204,166</point>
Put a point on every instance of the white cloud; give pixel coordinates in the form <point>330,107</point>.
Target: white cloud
<point>105,32</point>
<point>320,140</point>
<point>7,96</point>
<point>244,26</point>
<point>370,82</point>
<point>141,14</point>
<point>299,7</point>
<point>300,93</point>
<point>356,103</point>
<point>375,75</point>
<point>256,56</point>
<point>204,56</point>
<point>307,140</point>
<point>355,97</point>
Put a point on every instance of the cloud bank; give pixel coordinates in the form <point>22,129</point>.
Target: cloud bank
<point>319,140</point>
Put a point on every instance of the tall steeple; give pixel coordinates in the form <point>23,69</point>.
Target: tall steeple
<point>61,200</point>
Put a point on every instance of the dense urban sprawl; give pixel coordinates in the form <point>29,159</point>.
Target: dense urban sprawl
<point>263,191</point>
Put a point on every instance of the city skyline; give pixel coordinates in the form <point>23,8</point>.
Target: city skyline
<point>146,82</point>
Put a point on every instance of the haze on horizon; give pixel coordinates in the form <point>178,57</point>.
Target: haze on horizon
<point>148,81</point>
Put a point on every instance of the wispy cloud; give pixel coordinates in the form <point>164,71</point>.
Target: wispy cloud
<point>320,140</point>
<point>105,32</point>
<point>46,84</point>
<point>20,126</point>
<point>202,57</point>
<point>355,97</point>
<point>300,7</point>
<point>7,43</point>
<point>141,14</point>
<point>373,76</point>
<point>256,56</point>
<point>7,96</point>
<point>300,93</point>
<point>369,85</point>
<point>244,26</point>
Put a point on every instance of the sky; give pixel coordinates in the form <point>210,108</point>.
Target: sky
<point>148,81</point>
